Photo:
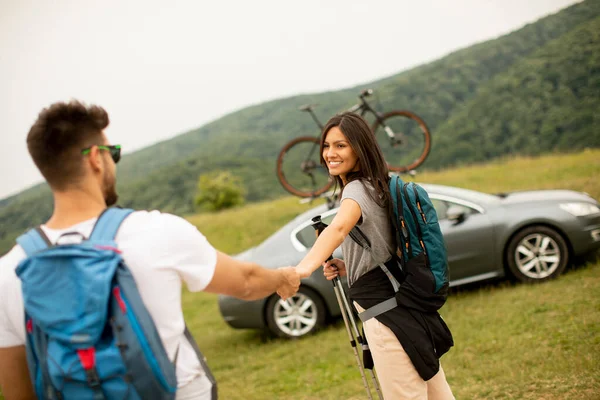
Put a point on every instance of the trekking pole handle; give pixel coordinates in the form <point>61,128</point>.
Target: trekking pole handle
<point>319,228</point>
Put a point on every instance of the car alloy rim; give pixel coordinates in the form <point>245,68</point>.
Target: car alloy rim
<point>537,256</point>
<point>296,316</point>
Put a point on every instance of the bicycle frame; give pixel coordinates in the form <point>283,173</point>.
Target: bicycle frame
<point>365,107</point>
<point>394,125</point>
<point>362,108</point>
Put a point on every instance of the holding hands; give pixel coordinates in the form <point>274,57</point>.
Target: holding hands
<point>292,276</point>
<point>290,282</point>
<point>333,268</point>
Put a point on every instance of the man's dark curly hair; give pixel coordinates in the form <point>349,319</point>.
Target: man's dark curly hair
<point>59,134</point>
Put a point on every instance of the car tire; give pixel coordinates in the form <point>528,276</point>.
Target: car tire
<point>300,315</point>
<point>536,254</point>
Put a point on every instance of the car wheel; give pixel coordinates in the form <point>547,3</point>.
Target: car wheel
<point>537,253</point>
<point>297,316</point>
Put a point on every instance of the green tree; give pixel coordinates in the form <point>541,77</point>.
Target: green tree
<point>219,190</point>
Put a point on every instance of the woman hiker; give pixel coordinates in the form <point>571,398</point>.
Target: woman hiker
<point>402,346</point>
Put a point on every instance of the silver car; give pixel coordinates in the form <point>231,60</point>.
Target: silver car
<point>530,236</point>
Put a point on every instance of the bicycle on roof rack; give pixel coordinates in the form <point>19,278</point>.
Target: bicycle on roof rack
<point>402,135</point>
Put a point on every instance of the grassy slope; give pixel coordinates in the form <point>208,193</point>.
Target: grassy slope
<point>512,341</point>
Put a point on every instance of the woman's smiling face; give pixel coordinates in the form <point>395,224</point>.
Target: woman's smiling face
<point>338,154</point>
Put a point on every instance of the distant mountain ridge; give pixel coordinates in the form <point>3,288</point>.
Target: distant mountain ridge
<point>533,90</point>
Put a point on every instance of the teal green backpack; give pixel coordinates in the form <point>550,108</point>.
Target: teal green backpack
<point>421,266</point>
<point>421,247</point>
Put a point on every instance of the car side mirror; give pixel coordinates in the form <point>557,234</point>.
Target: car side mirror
<point>456,214</point>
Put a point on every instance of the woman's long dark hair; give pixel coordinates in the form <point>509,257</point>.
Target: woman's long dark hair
<point>372,165</point>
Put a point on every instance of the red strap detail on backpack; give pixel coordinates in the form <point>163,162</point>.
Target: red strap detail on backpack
<point>87,358</point>
<point>117,294</point>
<point>111,248</point>
<point>29,325</point>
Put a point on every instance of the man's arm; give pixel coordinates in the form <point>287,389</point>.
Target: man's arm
<point>249,281</point>
<point>14,375</point>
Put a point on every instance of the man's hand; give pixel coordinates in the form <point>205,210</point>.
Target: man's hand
<point>290,284</point>
<point>333,268</point>
<point>14,375</point>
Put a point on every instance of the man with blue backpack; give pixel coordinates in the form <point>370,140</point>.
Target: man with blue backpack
<point>90,302</point>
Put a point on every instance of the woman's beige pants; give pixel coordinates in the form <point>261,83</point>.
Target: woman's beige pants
<point>398,378</point>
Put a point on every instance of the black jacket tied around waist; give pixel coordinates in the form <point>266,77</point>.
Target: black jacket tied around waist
<point>424,335</point>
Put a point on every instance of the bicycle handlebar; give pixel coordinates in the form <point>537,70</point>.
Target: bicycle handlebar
<point>363,103</point>
<point>307,107</point>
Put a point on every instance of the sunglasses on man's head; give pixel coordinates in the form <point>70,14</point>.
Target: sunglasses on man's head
<point>115,151</point>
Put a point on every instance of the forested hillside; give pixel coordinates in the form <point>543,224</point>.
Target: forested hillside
<point>549,101</point>
<point>534,90</point>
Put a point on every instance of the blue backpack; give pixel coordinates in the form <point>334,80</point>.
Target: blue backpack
<point>421,247</point>
<point>89,335</point>
<point>420,266</point>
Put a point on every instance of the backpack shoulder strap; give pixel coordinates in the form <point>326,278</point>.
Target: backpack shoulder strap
<point>203,362</point>
<point>402,225</point>
<point>359,238</point>
<point>33,241</point>
<point>393,211</point>
<point>109,222</point>
<point>394,193</point>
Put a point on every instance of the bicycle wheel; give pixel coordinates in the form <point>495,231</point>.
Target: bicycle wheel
<point>299,168</point>
<point>404,139</point>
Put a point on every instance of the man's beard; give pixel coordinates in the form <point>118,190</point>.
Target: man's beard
<point>109,190</point>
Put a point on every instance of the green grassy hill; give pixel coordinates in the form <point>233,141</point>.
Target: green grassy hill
<point>535,90</point>
<point>553,95</point>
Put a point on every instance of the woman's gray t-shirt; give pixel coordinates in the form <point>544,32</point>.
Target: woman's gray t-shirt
<point>375,224</point>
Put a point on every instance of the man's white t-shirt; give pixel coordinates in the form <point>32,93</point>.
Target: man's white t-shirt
<point>161,250</point>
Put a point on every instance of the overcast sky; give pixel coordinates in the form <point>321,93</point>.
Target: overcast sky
<point>161,68</point>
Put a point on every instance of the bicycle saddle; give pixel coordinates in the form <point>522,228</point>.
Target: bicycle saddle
<point>307,107</point>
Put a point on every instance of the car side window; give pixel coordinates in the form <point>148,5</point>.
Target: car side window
<point>442,206</point>
<point>467,210</point>
<point>307,235</point>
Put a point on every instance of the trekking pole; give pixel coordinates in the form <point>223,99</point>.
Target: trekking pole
<point>359,337</point>
<point>362,342</point>
<point>319,226</point>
